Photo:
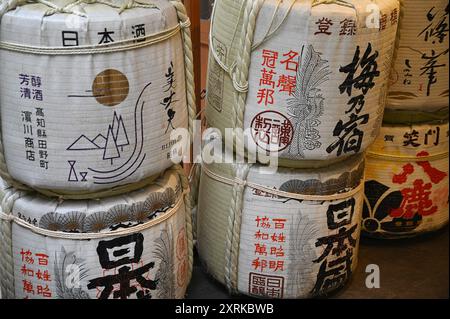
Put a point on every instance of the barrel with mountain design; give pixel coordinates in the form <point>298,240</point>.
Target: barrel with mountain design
<point>407,181</point>
<point>89,97</point>
<point>306,80</point>
<point>134,246</point>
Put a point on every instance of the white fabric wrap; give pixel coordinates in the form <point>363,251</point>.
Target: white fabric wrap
<point>71,267</point>
<point>89,122</point>
<point>320,39</point>
<point>290,249</point>
<point>419,78</point>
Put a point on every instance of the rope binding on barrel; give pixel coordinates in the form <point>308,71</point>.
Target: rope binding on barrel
<point>183,26</point>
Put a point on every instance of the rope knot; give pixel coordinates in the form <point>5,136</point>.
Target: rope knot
<point>126,6</point>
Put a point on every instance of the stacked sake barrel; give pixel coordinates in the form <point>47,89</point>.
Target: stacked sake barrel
<point>306,81</point>
<point>407,167</point>
<point>92,206</point>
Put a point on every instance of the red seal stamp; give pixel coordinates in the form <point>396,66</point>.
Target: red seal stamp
<point>272,131</point>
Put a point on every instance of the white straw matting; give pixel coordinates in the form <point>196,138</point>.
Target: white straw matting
<point>419,79</point>
<point>280,236</point>
<point>407,181</point>
<point>307,78</point>
<point>137,245</point>
<point>90,91</point>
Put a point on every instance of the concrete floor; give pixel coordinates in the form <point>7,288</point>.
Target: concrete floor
<point>409,269</point>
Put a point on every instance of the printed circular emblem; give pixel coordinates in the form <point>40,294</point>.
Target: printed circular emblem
<point>110,87</point>
<point>272,131</point>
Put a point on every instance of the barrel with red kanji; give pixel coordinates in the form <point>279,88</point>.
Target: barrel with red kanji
<point>407,181</point>
<point>292,234</point>
<point>306,80</point>
<point>134,246</point>
<point>89,97</point>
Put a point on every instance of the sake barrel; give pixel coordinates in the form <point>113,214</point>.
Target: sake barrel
<point>419,79</point>
<point>89,97</point>
<point>407,181</point>
<point>294,234</point>
<point>137,245</point>
<point>306,79</point>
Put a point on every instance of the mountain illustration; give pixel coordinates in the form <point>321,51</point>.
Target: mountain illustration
<point>83,143</point>
<point>112,145</point>
<point>100,140</point>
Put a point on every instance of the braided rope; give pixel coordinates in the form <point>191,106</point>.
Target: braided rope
<point>403,158</point>
<point>6,245</point>
<point>118,46</point>
<point>7,5</point>
<point>188,63</point>
<point>243,64</point>
<point>283,194</point>
<point>234,231</point>
<point>189,229</point>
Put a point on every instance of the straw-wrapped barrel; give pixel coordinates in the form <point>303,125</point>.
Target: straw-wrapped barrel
<point>294,234</point>
<point>91,91</point>
<point>306,79</point>
<point>138,245</point>
<point>407,181</point>
<point>419,79</point>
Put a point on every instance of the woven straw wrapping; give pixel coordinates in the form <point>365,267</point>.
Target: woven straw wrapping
<point>244,35</point>
<point>234,240</point>
<point>419,79</point>
<point>194,182</point>
<point>407,181</point>
<point>145,235</point>
<point>90,96</point>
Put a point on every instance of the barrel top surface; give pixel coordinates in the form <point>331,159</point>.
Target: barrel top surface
<point>44,212</point>
<point>30,25</point>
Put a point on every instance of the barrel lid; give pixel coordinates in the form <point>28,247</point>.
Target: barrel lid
<point>86,23</point>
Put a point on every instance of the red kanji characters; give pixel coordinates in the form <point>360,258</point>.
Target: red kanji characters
<point>42,259</point>
<point>287,83</point>
<point>28,287</point>
<point>267,78</point>
<point>27,256</point>
<point>43,275</point>
<point>279,222</point>
<point>291,63</point>
<point>44,291</point>
<point>277,251</point>
<point>261,236</point>
<point>27,271</point>
<point>402,178</point>
<point>262,222</point>
<point>260,249</point>
<point>416,200</point>
<point>278,238</point>
<point>259,264</point>
<point>269,58</point>
<point>265,96</point>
